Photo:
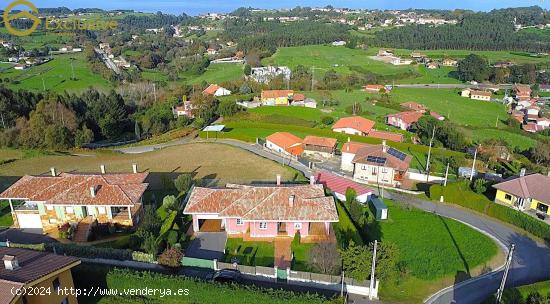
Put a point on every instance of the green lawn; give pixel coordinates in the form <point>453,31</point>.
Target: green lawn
<point>520,140</point>
<point>5,214</point>
<point>326,57</point>
<point>249,253</point>
<point>301,257</point>
<point>57,76</point>
<point>492,56</point>
<point>432,248</point>
<point>216,73</point>
<point>40,39</point>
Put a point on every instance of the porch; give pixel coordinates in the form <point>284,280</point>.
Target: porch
<point>317,232</point>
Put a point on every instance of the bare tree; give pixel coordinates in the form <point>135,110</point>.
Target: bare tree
<point>324,258</point>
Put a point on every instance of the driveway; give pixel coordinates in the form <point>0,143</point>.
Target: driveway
<point>207,245</point>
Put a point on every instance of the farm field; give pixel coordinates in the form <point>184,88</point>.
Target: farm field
<point>40,39</point>
<point>492,56</point>
<point>216,73</point>
<point>57,76</point>
<point>435,249</point>
<point>209,161</point>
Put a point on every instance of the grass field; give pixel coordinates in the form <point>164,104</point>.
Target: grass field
<point>216,73</point>
<point>432,247</point>
<point>210,161</point>
<point>40,39</point>
<point>5,214</point>
<point>56,76</point>
<point>492,56</point>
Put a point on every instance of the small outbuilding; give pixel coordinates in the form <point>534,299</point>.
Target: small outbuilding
<point>379,209</point>
<point>338,185</point>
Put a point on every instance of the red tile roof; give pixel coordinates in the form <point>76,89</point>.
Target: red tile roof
<point>211,90</point>
<point>74,189</point>
<point>264,203</point>
<point>437,115</point>
<point>340,184</point>
<point>481,93</point>
<point>354,122</point>
<point>396,137</point>
<point>374,87</point>
<point>6,290</point>
<point>415,106</point>
<point>391,161</point>
<point>320,141</point>
<point>409,117</point>
<point>352,147</point>
<point>291,143</point>
<point>33,265</point>
<point>277,93</point>
<point>299,97</point>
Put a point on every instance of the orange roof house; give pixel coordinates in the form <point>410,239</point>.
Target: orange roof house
<point>373,88</point>
<point>403,120</point>
<point>284,142</point>
<point>71,197</point>
<point>320,145</point>
<point>354,125</point>
<point>396,137</point>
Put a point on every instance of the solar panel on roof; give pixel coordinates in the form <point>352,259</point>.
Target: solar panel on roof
<point>400,155</point>
<point>376,160</point>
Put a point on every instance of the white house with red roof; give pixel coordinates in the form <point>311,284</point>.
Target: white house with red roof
<point>263,211</point>
<point>184,109</point>
<point>284,143</point>
<point>376,164</point>
<point>216,90</point>
<point>47,201</point>
<point>338,185</point>
<point>354,125</point>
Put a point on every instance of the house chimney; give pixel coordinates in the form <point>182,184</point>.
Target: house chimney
<point>102,167</point>
<point>278,179</point>
<point>291,201</point>
<point>92,191</point>
<point>134,168</point>
<point>52,169</point>
<point>312,180</point>
<point>10,262</point>
<point>522,172</point>
<point>384,146</point>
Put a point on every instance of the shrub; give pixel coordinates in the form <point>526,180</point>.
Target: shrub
<point>327,120</point>
<point>296,240</point>
<point>171,257</point>
<point>521,220</point>
<point>139,256</point>
<point>170,202</point>
<point>172,237</point>
<point>36,247</point>
<point>183,182</point>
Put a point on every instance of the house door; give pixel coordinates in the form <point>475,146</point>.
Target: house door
<point>281,228</point>
<point>84,212</point>
<point>27,220</point>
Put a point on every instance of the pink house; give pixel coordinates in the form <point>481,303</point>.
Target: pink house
<point>262,211</point>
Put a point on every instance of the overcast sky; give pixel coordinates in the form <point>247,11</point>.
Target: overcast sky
<point>202,6</point>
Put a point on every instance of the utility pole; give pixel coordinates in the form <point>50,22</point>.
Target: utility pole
<point>313,78</point>
<point>505,276</point>
<point>446,175</point>
<point>496,123</point>
<point>473,166</point>
<point>372,279</point>
<point>43,84</point>
<point>429,155</point>
<point>342,289</point>
<point>72,69</point>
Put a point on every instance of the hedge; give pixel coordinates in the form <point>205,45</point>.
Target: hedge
<point>460,194</point>
<point>92,252</point>
<point>36,247</point>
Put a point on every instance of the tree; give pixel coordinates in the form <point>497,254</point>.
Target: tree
<point>83,136</point>
<point>183,183</point>
<point>137,130</point>
<point>541,153</point>
<point>357,261</point>
<point>245,89</point>
<point>351,195</point>
<point>170,203</point>
<point>247,71</point>
<point>473,67</point>
<point>324,258</point>
<point>327,120</point>
<point>228,108</point>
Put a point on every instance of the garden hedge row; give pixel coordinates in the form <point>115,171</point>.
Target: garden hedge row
<point>460,194</point>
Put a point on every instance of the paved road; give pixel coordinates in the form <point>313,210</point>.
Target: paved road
<point>530,263</point>
<point>150,148</point>
<point>450,86</point>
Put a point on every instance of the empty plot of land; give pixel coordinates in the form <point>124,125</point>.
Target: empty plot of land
<point>218,162</point>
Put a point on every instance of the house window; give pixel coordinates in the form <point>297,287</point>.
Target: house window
<point>373,170</point>
<point>240,221</point>
<point>363,167</point>
<point>56,284</point>
<point>101,210</point>
<point>384,170</point>
<point>49,207</point>
<point>263,225</point>
<point>69,209</point>
<point>297,226</point>
<point>508,197</point>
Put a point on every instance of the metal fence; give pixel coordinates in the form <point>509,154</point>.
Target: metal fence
<point>193,262</point>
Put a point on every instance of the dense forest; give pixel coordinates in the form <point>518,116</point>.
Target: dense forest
<point>158,20</point>
<point>267,35</point>
<point>475,31</point>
